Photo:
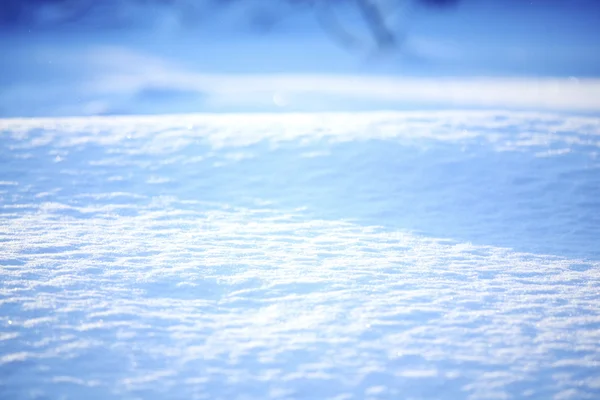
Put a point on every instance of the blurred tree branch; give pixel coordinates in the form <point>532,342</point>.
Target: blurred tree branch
<point>375,15</point>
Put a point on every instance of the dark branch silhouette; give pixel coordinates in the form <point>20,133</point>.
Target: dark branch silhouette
<point>375,19</point>
<point>372,14</point>
<point>30,14</point>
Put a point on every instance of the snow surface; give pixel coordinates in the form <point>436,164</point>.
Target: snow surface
<point>416,255</point>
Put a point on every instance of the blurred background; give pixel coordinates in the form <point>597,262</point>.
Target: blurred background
<point>84,57</point>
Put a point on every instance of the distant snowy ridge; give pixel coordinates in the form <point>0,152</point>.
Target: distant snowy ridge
<point>169,133</point>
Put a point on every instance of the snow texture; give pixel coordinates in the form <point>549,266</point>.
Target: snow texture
<point>154,258</point>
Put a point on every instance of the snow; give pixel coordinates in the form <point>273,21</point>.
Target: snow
<point>205,256</point>
<point>193,210</point>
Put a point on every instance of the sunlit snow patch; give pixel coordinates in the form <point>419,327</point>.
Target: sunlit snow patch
<point>145,265</point>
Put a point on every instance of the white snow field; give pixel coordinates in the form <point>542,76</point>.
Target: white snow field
<point>414,255</point>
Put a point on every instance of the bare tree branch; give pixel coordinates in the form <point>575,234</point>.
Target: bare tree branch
<point>331,25</point>
<point>372,15</point>
<point>376,14</point>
